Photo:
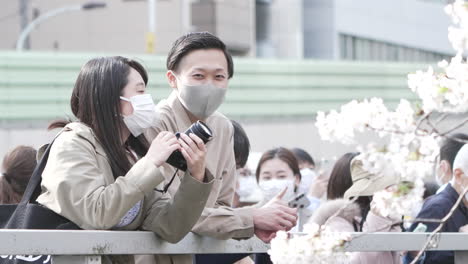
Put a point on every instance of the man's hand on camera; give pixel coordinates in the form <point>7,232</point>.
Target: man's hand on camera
<point>194,151</point>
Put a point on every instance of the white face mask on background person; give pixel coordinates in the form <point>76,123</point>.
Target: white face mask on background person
<point>271,188</point>
<point>201,100</point>
<point>307,178</point>
<point>247,186</point>
<point>143,116</point>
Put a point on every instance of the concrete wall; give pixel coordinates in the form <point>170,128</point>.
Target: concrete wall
<point>169,24</point>
<point>320,37</point>
<point>235,24</point>
<point>232,21</point>
<point>282,19</point>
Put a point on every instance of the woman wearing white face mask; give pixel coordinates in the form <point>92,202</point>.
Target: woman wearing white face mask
<point>277,170</point>
<point>101,171</point>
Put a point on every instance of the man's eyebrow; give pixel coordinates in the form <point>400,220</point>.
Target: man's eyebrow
<point>204,69</point>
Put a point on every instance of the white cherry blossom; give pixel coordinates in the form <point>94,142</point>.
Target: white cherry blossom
<point>404,150</point>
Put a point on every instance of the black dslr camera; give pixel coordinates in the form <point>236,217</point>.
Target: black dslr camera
<point>202,131</point>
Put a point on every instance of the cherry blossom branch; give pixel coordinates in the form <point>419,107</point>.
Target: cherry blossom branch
<point>425,117</point>
<point>442,118</point>
<point>425,220</point>
<point>385,130</point>
<point>431,236</point>
<point>446,134</point>
<point>433,127</point>
<point>455,127</point>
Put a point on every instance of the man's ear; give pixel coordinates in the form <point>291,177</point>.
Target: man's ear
<point>445,168</point>
<point>171,79</point>
<point>458,174</point>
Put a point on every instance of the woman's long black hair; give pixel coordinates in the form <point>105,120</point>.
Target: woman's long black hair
<point>95,102</point>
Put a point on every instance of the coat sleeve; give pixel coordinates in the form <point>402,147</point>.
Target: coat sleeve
<point>222,221</point>
<point>74,186</point>
<point>173,218</point>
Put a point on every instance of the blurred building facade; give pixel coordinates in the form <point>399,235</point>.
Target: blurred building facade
<point>376,30</point>
<point>122,26</point>
<point>283,93</point>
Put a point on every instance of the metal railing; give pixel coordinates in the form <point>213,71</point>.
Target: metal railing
<point>89,246</point>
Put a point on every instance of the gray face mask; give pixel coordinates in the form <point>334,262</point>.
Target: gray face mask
<point>201,100</point>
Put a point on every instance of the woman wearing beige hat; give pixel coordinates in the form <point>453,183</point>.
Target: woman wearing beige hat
<point>360,215</point>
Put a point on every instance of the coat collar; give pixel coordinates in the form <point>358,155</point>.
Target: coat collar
<point>182,119</point>
<point>453,195</point>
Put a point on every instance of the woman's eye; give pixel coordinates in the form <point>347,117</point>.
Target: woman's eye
<point>197,76</point>
<point>220,77</point>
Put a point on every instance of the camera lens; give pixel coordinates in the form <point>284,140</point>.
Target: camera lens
<point>201,130</point>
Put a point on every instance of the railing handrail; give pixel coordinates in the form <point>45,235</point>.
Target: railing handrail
<point>90,242</point>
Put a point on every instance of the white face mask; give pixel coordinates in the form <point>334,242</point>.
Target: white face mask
<point>273,187</point>
<point>307,178</point>
<point>143,116</point>
<point>247,186</point>
<point>201,100</point>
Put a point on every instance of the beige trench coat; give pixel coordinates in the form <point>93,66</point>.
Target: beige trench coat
<point>78,184</point>
<point>218,219</point>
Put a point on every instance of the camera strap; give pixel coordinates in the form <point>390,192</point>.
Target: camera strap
<point>164,190</point>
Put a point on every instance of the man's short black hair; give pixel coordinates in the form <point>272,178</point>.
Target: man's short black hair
<point>303,156</point>
<point>196,41</point>
<point>241,145</point>
<point>450,147</point>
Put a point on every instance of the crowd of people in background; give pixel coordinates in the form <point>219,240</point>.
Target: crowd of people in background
<point>107,169</point>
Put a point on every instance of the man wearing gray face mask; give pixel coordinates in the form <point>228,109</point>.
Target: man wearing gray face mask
<point>199,68</point>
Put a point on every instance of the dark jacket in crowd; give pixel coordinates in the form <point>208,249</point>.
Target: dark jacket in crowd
<point>437,207</point>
